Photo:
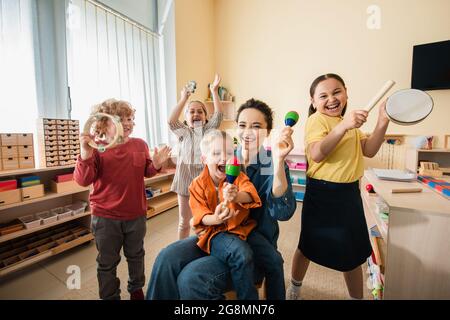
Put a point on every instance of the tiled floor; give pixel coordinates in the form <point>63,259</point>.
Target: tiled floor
<point>47,280</point>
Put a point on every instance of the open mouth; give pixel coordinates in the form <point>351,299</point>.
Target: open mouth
<point>221,168</point>
<point>333,107</point>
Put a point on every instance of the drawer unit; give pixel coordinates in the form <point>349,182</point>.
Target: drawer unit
<point>9,152</point>
<point>10,196</point>
<point>10,163</point>
<point>25,139</point>
<point>26,162</point>
<point>8,139</point>
<point>25,151</point>
<point>32,192</point>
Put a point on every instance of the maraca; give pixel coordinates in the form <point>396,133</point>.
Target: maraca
<point>291,118</point>
<point>369,188</point>
<point>233,170</point>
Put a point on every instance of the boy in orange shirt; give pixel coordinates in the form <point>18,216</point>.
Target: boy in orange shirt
<point>221,212</point>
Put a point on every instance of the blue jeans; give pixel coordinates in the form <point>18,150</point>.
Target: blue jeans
<point>238,256</point>
<point>183,271</point>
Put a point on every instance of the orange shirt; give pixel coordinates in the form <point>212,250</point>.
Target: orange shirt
<point>203,200</point>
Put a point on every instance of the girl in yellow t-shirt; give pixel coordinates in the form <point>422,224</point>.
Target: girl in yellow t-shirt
<point>334,231</point>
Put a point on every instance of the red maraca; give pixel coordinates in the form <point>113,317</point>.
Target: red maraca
<point>369,188</point>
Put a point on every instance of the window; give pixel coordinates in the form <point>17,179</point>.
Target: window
<point>110,56</point>
<point>17,67</point>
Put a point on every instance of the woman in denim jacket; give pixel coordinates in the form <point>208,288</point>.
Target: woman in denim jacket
<point>183,271</point>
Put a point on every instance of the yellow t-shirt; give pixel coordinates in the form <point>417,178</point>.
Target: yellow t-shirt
<point>345,163</point>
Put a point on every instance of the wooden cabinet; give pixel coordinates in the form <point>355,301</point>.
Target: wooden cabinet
<point>229,113</point>
<point>162,198</point>
<point>22,242</point>
<point>440,156</point>
<point>415,245</point>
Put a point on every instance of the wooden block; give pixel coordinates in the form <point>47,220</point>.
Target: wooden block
<point>406,190</point>
<point>26,162</point>
<point>9,152</point>
<point>68,186</point>
<point>11,196</point>
<point>8,139</point>
<point>25,139</point>
<point>33,192</point>
<point>26,151</point>
<point>10,164</point>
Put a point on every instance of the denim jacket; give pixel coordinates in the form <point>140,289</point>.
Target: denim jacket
<point>260,173</point>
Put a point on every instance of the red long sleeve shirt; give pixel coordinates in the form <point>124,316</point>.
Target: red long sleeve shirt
<point>117,176</point>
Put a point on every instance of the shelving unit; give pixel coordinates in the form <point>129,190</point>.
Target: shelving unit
<point>414,241</point>
<point>19,249</point>
<point>440,156</point>
<point>298,175</point>
<point>229,113</point>
<point>166,199</point>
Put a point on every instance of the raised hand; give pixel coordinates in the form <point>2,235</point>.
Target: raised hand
<point>185,93</point>
<point>86,149</point>
<point>214,87</point>
<point>382,115</point>
<point>161,156</point>
<point>283,144</point>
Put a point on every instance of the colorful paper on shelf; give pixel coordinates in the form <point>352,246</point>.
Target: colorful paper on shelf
<point>8,185</point>
<point>63,177</point>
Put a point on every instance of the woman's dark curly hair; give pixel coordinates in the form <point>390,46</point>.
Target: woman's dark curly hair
<point>260,106</point>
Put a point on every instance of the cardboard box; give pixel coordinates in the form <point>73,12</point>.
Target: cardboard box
<point>25,139</point>
<point>26,162</point>
<point>9,152</point>
<point>8,139</point>
<point>62,187</point>
<point>26,151</point>
<point>33,192</point>
<point>10,164</point>
<point>11,196</point>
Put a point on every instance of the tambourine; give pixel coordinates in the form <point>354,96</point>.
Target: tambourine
<point>404,107</point>
<point>101,143</point>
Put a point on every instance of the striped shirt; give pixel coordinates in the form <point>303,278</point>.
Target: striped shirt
<point>189,165</point>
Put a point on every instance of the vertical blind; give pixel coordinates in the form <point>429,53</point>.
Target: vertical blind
<point>110,56</point>
<point>17,66</point>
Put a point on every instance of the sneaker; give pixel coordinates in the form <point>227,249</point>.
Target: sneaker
<point>137,295</point>
<point>293,293</point>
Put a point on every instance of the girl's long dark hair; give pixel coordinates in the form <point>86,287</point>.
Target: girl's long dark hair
<point>314,85</point>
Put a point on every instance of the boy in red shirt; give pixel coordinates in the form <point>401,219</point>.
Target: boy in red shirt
<point>117,199</point>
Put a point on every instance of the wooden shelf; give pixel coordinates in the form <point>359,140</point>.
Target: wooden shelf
<point>159,195</point>
<point>371,206</point>
<point>301,170</point>
<point>33,170</point>
<point>46,254</point>
<point>434,150</point>
<point>48,196</point>
<point>24,232</point>
<point>160,176</point>
<point>163,203</point>
<point>298,185</point>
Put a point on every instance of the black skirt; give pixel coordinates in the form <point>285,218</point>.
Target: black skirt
<point>334,232</point>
